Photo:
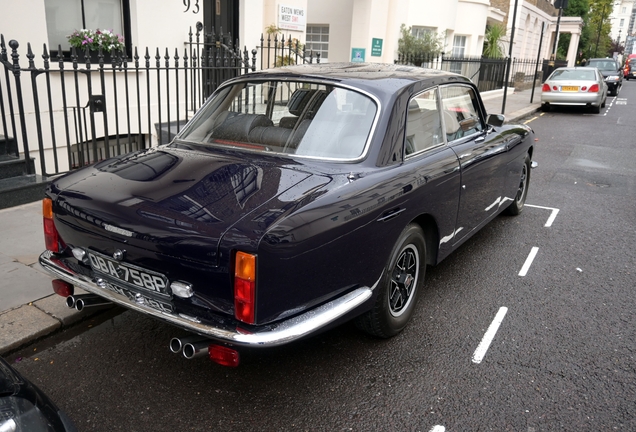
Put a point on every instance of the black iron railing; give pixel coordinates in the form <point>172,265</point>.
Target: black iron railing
<point>487,74</point>
<point>277,52</point>
<point>98,105</point>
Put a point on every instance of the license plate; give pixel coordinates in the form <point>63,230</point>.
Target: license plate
<point>569,88</point>
<point>131,275</point>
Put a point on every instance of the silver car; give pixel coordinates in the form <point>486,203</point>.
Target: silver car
<point>574,86</point>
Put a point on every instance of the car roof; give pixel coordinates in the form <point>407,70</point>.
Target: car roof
<point>371,75</point>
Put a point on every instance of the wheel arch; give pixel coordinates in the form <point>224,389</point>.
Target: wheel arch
<point>431,236</point>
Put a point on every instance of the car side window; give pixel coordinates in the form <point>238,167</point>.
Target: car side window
<point>460,112</point>
<point>423,124</point>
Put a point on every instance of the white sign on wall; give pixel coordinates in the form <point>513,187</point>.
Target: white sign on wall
<point>292,18</point>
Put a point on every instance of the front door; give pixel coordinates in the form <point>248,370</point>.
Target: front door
<point>481,158</point>
<point>222,16</point>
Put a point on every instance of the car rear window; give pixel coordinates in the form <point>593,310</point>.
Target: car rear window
<point>603,64</point>
<point>573,74</point>
<point>297,118</point>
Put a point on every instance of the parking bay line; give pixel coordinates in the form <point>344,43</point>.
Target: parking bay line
<point>552,217</point>
<point>438,428</point>
<point>483,346</point>
<point>528,263</point>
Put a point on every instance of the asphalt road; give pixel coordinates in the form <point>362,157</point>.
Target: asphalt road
<point>562,357</point>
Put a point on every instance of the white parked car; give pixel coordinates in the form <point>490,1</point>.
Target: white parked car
<point>583,86</point>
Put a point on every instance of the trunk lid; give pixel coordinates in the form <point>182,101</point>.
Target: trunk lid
<point>171,201</point>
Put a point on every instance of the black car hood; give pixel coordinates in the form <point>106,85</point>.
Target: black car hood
<point>169,200</point>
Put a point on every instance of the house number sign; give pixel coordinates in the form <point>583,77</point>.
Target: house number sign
<point>189,4</point>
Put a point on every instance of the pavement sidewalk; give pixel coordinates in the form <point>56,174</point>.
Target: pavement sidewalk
<point>28,308</point>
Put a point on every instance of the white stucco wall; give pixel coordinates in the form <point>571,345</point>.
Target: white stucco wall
<point>471,22</point>
<point>338,14</point>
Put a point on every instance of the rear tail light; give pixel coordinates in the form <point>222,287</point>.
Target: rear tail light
<point>52,238</point>
<point>545,88</point>
<point>245,287</point>
<point>223,355</point>
<point>593,89</point>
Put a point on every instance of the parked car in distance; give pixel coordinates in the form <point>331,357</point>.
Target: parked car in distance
<point>296,199</point>
<point>612,73</point>
<point>574,86</point>
<point>25,408</point>
<point>630,69</point>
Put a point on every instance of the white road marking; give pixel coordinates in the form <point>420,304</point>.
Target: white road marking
<point>438,429</point>
<point>552,217</point>
<point>528,263</point>
<point>481,350</point>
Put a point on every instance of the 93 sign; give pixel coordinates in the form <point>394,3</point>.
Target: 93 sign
<point>189,4</point>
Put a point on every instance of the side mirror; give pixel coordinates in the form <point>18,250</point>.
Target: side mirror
<point>496,120</point>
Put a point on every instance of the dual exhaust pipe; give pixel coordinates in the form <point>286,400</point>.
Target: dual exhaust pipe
<point>191,346</point>
<point>197,346</point>
<point>82,301</point>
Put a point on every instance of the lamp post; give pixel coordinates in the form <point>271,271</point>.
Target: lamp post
<point>509,60</point>
<point>600,24</point>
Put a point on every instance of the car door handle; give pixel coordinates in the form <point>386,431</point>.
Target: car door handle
<point>390,214</point>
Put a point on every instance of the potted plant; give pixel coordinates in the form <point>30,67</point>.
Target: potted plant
<point>110,43</point>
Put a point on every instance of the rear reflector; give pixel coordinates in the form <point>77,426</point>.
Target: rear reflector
<point>62,288</point>
<point>223,355</point>
<point>245,287</point>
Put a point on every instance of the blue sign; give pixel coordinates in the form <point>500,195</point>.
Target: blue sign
<point>357,55</point>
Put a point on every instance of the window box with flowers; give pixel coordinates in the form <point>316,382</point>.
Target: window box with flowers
<point>111,45</point>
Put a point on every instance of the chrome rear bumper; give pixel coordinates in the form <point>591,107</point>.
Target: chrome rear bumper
<point>278,333</point>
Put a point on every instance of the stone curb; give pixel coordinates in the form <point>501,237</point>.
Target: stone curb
<point>23,325</point>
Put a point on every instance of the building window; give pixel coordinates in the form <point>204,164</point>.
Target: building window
<point>421,32</point>
<point>459,46</point>
<point>63,17</point>
<point>622,22</point>
<point>317,40</point>
<point>624,9</point>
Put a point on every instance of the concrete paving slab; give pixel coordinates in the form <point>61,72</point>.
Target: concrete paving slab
<point>22,235</point>
<point>22,325</point>
<point>21,284</point>
<point>55,306</point>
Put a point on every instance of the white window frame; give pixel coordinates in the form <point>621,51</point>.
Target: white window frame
<point>317,46</point>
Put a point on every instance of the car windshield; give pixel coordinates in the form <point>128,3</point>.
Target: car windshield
<point>292,117</point>
<point>573,74</point>
<point>606,65</point>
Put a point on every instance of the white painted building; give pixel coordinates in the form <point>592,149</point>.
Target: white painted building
<point>622,19</point>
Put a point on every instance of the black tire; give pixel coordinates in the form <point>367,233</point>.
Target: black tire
<point>516,207</point>
<point>603,104</point>
<point>545,107</point>
<point>400,286</point>
<point>596,109</point>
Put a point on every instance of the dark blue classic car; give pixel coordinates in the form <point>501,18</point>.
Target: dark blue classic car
<point>296,199</point>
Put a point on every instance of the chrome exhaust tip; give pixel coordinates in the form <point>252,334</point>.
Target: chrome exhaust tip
<point>177,343</point>
<point>70,301</point>
<point>89,300</point>
<point>196,349</point>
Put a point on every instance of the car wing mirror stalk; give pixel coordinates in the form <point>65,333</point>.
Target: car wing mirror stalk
<point>495,120</point>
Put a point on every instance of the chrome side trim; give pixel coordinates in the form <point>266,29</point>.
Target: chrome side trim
<point>268,335</point>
